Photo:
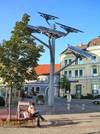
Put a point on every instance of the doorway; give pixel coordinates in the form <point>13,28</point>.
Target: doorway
<point>78,91</point>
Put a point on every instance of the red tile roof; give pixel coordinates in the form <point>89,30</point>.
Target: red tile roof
<point>94,42</point>
<point>44,69</point>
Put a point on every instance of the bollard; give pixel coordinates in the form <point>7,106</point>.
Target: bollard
<point>83,107</point>
<point>68,106</point>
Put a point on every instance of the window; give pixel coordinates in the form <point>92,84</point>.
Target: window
<point>26,91</point>
<point>80,72</point>
<point>66,62</point>
<point>33,88</point>
<point>26,88</point>
<point>65,73</point>
<point>33,91</point>
<point>37,89</point>
<point>94,71</point>
<point>76,62</point>
<point>95,89</point>
<point>76,73</point>
<point>70,73</point>
<point>80,61</point>
<point>94,59</point>
<point>70,61</point>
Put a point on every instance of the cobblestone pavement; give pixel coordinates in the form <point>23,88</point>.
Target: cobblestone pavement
<point>84,123</point>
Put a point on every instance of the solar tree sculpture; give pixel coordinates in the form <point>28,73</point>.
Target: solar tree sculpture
<point>52,35</point>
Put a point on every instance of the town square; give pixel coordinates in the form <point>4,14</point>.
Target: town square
<point>50,67</point>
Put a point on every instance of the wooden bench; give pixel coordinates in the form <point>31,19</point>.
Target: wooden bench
<point>22,107</point>
<point>19,119</point>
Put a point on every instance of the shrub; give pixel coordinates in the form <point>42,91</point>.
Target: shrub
<point>90,96</point>
<point>73,96</point>
<point>40,99</point>
<point>2,101</point>
<point>65,96</point>
<point>97,96</point>
<point>84,97</point>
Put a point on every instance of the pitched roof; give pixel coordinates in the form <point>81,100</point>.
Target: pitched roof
<point>81,46</point>
<point>44,69</point>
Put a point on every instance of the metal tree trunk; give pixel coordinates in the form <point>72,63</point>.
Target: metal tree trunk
<point>52,70</point>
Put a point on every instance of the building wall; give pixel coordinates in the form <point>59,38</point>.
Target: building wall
<point>43,84</point>
<point>90,80</point>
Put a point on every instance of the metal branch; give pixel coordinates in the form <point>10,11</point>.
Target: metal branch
<point>41,41</point>
<point>67,33</point>
<point>67,65</point>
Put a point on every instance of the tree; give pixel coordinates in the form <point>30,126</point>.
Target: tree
<point>64,84</point>
<point>18,57</point>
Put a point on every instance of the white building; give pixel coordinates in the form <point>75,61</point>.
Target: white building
<point>85,72</point>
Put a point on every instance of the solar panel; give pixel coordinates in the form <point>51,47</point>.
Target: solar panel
<point>80,52</point>
<point>33,29</point>
<point>46,31</point>
<point>47,16</point>
<point>54,33</point>
<point>69,29</point>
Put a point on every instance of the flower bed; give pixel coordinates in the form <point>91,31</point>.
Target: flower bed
<point>14,122</point>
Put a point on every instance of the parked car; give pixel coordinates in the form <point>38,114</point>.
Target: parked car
<point>96,101</point>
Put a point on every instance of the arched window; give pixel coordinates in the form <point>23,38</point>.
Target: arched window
<point>37,89</point>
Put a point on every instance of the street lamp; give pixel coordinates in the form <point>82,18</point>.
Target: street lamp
<point>52,35</point>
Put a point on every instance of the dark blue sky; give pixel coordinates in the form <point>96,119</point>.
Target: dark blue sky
<point>82,14</point>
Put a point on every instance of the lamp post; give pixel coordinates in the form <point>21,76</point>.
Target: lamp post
<point>52,35</point>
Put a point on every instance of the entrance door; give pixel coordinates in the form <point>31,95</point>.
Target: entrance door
<point>78,90</point>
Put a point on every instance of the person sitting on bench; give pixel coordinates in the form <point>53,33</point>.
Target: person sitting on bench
<point>35,114</point>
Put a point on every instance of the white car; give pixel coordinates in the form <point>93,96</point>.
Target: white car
<point>96,101</point>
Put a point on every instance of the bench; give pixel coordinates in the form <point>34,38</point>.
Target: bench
<point>21,108</point>
<point>19,119</point>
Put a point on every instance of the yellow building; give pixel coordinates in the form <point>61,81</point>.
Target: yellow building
<point>84,73</point>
